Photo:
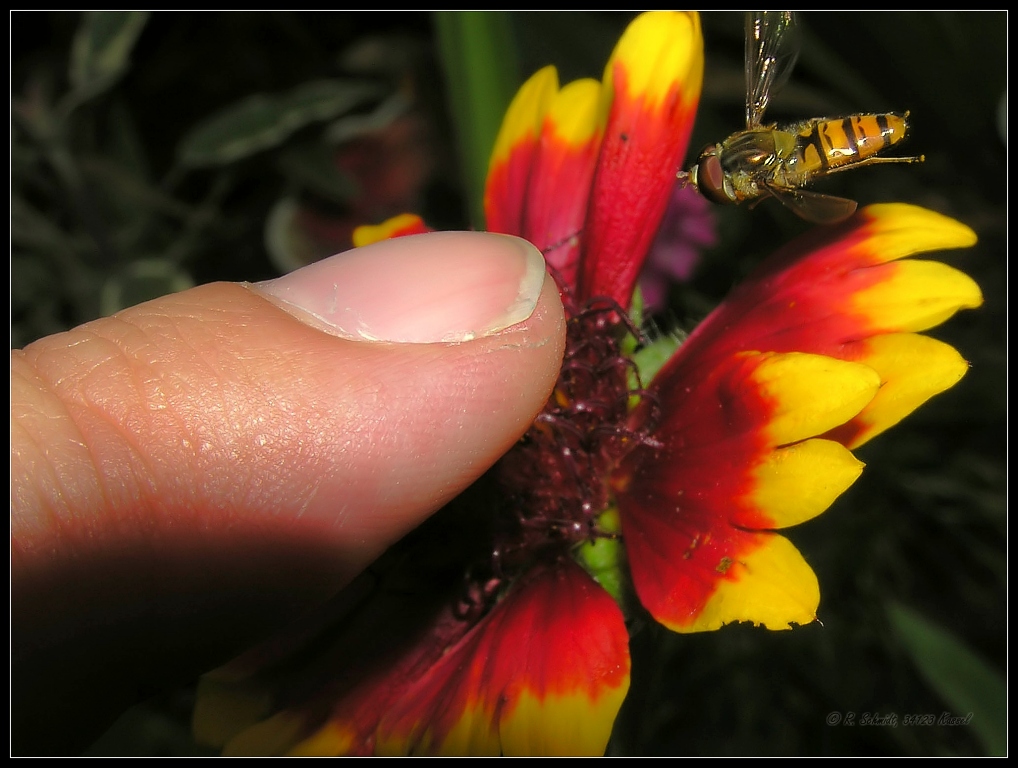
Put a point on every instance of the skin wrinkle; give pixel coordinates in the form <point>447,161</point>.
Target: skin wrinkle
<point>41,464</point>
<point>311,494</point>
<point>259,435</point>
<point>20,414</point>
<point>119,422</point>
<point>142,462</point>
<point>141,419</point>
<point>69,488</point>
<point>132,424</point>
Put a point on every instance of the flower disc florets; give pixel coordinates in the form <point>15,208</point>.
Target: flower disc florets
<point>554,482</point>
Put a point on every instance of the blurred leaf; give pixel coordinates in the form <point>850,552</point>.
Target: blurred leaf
<point>481,71</point>
<point>101,50</point>
<point>150,729</point>
<point>290,246</point>
<point>352,126</point>
<point>140,281</point>
<point>312,167</point>
<point>129,190</point>
<point>263,121</point>
<point>966,683</point>
<point>123,141</point>
<point>32,228</point>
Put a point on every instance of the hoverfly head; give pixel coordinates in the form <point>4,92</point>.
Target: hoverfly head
<point>709,177</point>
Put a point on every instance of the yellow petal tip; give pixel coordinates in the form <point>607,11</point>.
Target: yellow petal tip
<point>907,229</point>
<point>657,50</point>
<point>771,587</point>
<point>526,113</point>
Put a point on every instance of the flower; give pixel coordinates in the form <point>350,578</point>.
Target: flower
<point>508,635</point>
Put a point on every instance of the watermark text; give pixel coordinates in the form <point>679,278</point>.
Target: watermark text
<point>894,719</point>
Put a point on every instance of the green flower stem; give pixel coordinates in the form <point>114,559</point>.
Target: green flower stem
<point>479,58</point>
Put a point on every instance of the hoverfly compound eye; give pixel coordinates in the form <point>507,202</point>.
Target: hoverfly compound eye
<point>710,178</point>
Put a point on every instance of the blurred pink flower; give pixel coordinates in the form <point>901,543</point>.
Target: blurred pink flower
<point>688,229</point>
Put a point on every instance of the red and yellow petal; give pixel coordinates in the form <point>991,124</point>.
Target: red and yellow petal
<point>651,90</point>
<point>913,295</point>
<point>398,226</point>
<point>738,457</point>
<point>837,285</point>
<point>544,673</point>
<point>912,369</point>
<point>814,354</point>
<point>509,170</point>
<point>806,395</point>
<point>768,584</point>
<point>326,695</point>
<point>837,291</point>
<point>696,576</point>
<point>563,166</point>
<point>795,483</point>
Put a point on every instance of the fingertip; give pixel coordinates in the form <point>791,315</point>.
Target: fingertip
<point>434,287</point>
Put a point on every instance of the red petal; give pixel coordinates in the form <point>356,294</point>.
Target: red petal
<point>829,288</point>
<point>695,510</point>
<point>836,290</point>
<point>653,81</point>
<point>505,191</point>
<point>559,186</point>
<point>544,673</point>
<point>814,348</point>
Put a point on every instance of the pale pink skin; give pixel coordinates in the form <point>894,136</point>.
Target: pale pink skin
<point>195,471</point>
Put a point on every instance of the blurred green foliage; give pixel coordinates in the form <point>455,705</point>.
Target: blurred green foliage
<point>965,682</point>
<point>152,152</point>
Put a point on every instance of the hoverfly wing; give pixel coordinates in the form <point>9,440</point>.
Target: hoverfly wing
<point>814,207</point>
<point>772,47</point>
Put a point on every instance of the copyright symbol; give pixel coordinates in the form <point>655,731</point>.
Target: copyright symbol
<point>833,718</point>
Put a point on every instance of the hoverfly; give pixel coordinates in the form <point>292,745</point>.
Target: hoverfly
<point>767,161</point>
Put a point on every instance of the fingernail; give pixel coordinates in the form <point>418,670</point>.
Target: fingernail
<point>438,287</point>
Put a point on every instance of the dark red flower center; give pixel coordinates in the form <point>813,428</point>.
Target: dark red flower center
<point>554,482</point>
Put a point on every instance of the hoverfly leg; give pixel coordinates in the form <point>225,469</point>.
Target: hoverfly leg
<point>876,161</point>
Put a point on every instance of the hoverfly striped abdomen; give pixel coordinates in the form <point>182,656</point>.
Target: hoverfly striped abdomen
<point>831,144</point>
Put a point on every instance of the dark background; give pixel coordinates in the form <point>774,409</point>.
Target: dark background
<point>105,214</point>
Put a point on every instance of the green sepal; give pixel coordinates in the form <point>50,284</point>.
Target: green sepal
<point>604,557</point>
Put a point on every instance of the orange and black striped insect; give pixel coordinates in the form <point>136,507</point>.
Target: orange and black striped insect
<point>770,161</point>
